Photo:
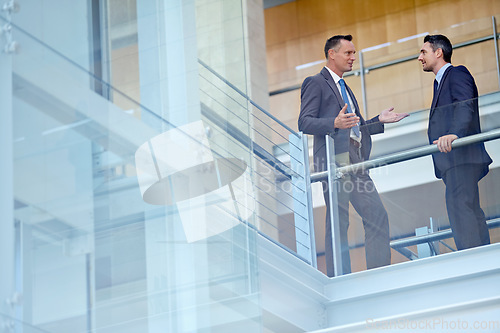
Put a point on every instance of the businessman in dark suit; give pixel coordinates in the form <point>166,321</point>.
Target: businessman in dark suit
<point>328,106</point>
<point>454,114</point>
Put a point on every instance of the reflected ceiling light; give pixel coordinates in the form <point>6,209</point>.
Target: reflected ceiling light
<point>66,127</point>
<point>212,193</point>
<point>376,47</point>
<point>309,64</point>
<point>402,40</point>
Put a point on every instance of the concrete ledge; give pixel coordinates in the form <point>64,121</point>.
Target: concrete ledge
<point>463,284</point>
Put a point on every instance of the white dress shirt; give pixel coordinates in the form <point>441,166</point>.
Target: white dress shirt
<point>337,78</point>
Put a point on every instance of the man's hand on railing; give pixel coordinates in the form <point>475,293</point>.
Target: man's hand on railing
<point>387,116</point>
<point>444,142</point>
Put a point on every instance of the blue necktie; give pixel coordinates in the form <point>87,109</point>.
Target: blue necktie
<point>346,100</point>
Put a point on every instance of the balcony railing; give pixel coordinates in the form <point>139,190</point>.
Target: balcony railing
<point>333,174</point>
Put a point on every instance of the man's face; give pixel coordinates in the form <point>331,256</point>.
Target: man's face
<point>344,57</point>
<point>428,57</point>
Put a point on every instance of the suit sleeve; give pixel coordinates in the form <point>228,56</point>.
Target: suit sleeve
<point>374,126</point>
<point>310,121</point>
<point>462,93</point>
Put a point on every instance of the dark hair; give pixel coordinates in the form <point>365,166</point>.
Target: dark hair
<point>440,42</point>
<point>334,42</point>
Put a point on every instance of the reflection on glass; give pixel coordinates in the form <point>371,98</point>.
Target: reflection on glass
<point>212,193</point>
<point>97,255</point>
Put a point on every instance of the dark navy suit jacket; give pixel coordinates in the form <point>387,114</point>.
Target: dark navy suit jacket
<point>321,102</point>
<point>455,110</point>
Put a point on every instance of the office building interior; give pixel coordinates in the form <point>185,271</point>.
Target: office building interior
<point>154,179</point>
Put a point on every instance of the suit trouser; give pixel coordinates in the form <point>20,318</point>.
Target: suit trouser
<point>467,219</point>
<point>360,190</point>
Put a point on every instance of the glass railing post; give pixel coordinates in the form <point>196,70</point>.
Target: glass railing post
<point>6,179</point>
<point>303,209</point>
<point>433,229</point>
<point>363,84</point>
<point>333,198</point>
<point>423,249</point>
<point>495,42</point>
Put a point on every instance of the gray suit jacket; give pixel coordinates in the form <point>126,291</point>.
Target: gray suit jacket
<point>320,104</point>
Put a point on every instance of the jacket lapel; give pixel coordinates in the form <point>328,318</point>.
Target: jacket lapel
<point>435,98</point>
<point>333,86</point>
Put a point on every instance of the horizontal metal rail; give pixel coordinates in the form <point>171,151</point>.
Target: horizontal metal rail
<point>435,236</point>
<point>406,155</point>
<point>220,77</point>
<point>415,56</point>
<point>247,142</point>
<point>390,63</point>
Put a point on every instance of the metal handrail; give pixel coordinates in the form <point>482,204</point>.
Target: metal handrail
<point>247,142</point>
<point>495,42</point>
<point>333,173</point>
<point>220,77</point>
<point>406,155</point>
<point>435,236</point>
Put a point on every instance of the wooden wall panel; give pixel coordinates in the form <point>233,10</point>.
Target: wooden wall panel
<point>309,50</point>
<point>286,104</point>
<point>288,55</point>
<point>401,86</point>
<point>480,60</point>
<point>313,17</point>
<point>401,24</point>
<point>370,33</point>
<point>281,23</point>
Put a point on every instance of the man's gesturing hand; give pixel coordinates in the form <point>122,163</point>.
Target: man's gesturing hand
<point>345,120</point>
<point>387,116</point>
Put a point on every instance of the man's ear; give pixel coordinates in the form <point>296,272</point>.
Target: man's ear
<point>331,52</point>
<point>439,53</point>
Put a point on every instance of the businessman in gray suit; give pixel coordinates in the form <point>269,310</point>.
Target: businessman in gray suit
<point>328,106</point>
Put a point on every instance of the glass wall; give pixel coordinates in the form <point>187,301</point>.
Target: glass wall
<point>134,203</point>
<point>142,174</point>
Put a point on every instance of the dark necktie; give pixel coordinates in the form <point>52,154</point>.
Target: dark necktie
<point>435,87</point>
<point>346,100</point>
